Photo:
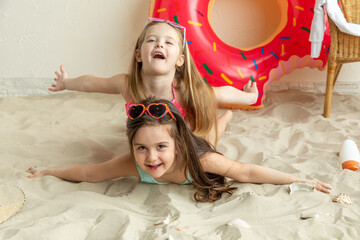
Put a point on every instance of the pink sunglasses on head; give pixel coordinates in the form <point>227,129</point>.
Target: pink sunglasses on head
<point>169,22</point>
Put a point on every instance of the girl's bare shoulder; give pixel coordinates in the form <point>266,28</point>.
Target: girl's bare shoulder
<point>120,166</point>
<point>120,83</point>
<point>217,163</point>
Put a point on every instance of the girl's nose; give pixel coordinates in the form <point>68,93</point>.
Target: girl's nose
<point>152,155</point>
<point>160,44</point>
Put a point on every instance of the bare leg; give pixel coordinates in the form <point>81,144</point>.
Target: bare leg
<point>223,123</point>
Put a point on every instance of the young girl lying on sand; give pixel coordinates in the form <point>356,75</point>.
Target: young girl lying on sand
<point>164,150</point>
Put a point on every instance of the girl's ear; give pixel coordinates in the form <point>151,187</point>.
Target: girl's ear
<point>138,55</point>
<point>180,60</point>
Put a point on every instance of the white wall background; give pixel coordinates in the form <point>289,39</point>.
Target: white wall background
<point>95,37</point>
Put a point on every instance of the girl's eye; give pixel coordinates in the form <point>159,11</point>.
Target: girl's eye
<point>161,146</point>
<point>170,43</point>
<point>140,148</point>
<point>151,40</point>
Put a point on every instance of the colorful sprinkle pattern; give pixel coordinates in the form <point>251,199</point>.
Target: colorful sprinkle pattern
<point>221,64</point>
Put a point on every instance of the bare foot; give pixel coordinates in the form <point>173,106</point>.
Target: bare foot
<point>253,93</point>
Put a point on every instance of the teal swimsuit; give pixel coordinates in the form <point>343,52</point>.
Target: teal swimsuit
<point>148,179</point>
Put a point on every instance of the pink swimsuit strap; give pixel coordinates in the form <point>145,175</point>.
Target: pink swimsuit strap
<point>181,109</point>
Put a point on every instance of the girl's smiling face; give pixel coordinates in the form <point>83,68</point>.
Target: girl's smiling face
<point>154,150</point>
<point>160,52</point>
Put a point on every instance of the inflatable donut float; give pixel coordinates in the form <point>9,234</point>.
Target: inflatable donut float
<point>220,64</point>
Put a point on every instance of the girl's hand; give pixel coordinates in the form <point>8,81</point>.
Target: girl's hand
<point>252,90</point>
<point>35,173</point>
<point>320,186</point>
<point>60,80</point>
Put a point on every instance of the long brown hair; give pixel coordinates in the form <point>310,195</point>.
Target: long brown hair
<point>190,148</point>
<point>198,98</point>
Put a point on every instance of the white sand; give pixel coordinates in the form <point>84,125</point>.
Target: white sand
<point>289,134</point>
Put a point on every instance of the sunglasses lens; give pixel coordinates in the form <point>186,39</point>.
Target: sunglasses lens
<point>157,110</point>
<point>136,111</point>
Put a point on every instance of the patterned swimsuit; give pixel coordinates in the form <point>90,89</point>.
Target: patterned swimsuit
<point>181,109</point>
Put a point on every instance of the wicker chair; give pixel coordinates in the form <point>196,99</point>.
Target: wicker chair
<point>344,48</point>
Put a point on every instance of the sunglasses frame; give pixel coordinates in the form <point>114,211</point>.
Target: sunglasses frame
<point>174,24</point>
<point>146,109</point>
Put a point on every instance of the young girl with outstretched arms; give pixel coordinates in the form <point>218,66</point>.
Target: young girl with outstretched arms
<point>164,150</point>
<point>162,67</point>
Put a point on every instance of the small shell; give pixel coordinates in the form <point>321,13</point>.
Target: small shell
<point>342,198</point>
<point>171,237</point>
<point>299,186</point>
<point>239,222</point>
<point>163,221</point>
<point>304,216</point>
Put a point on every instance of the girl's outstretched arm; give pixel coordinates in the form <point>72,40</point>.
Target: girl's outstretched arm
<point>231,95</point>
<point>120,166</point>
<point>88,83</point>
<point>250,173</point>
<point>75,173</point>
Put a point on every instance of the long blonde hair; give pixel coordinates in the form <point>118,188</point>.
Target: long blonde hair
<point>198,97</point>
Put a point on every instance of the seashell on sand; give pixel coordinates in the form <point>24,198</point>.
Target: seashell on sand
<point>305,216</point>
<point>342,198</point>
<point>238,222</point>
<point>163,221</point>
<point>300,186</point>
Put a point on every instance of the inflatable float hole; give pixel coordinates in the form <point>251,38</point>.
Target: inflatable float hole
<point>247,24</point>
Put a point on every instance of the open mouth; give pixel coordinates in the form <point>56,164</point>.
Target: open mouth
<point>158,55</point>
<point>153,167</point>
